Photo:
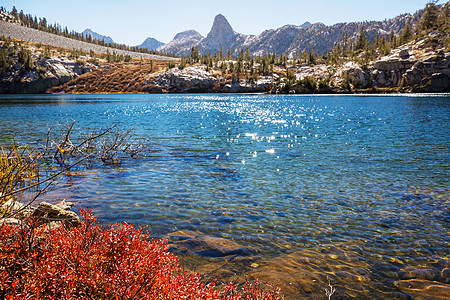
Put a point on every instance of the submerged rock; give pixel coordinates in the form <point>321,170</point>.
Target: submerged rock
<point>206,246</point>
<point>423,289</point>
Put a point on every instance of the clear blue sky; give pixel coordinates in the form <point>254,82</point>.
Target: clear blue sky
<point>131,22</point>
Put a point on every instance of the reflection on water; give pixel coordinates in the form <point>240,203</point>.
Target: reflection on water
<point>348,189</point>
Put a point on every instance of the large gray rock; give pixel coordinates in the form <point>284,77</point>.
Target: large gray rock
<point>381,79</point>
<point>12,206</point>
<point>189,79</point>
<point>436,83</point>
<point>11,222</point>
<point>412,76</point>
<point>65,204</point>
<point>48,213</point>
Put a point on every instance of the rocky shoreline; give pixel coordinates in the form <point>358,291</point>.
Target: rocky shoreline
<point>414,67</point>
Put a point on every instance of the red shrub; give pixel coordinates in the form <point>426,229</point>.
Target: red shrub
<point>89,262</point>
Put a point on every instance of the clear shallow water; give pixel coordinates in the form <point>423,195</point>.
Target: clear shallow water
<point>289,176</point>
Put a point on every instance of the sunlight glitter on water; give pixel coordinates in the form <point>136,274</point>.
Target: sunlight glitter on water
<point>353,188</point>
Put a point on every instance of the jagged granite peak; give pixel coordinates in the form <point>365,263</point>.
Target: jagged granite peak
<point>221,35</point>
<point>95,35</point>
<point>182,43</point>
<point>221,29</point>
<point>306,24</point>
<point>151,44</point>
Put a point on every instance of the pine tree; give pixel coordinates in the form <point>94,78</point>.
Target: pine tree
<point>14,12</point>
<point>444,18</point>
<point>392,39</point>
<point>4,60</point>
<point>25,58</point>
<point>406,34</point>
<point>247,55</point>
<point>361,41</point>
<point>430,16</point>
<point>109,57</point>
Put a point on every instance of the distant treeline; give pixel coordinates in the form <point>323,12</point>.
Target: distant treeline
<point>41,24</point>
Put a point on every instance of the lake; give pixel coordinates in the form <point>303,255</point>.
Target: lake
<point>351,190</point>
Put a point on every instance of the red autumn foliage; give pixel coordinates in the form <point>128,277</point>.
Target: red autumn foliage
<point>89,262</point>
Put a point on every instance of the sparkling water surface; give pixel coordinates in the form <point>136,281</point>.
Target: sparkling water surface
<point>352,182</point>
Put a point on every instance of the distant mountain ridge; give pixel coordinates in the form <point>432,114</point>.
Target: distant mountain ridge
<point>151,44</point>
<point>287,39</point>
<point>95,35</point>
<point>182,43</point>
<point>306,24</point>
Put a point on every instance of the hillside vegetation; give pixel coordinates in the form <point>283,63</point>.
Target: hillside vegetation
<point>40,24</point>
<point>414,60</point>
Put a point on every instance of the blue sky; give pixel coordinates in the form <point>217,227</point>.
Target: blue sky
<point>131,22</point>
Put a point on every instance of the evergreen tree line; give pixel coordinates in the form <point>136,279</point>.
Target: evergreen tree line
<point>42,24</point>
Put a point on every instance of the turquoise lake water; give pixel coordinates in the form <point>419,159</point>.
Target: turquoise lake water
<point>281,174</point>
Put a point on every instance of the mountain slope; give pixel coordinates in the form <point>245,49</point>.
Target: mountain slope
<point>16,31</point>
<point>182,43</point>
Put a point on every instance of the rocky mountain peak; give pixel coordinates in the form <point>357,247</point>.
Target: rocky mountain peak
<point>221,29</point>
<point>188,34</point>
<point>182,43</point>
<point>306,24</point>
<point>151,44</point>
<point>95,35</point>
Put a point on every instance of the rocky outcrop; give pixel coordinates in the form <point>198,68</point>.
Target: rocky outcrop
<point>50,72</point>
<point>45,213</point>
<point>421,66</point>
<point>354,73</point>
<point>4,16</point>
<point>191,79</point>
<point>262,85</point>
<point>49,213</point>
<point>196,79</point>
